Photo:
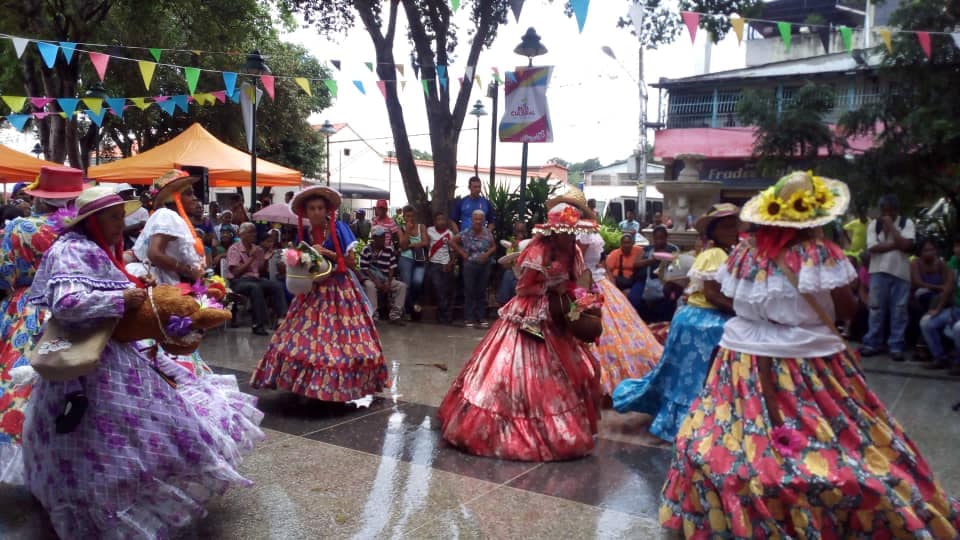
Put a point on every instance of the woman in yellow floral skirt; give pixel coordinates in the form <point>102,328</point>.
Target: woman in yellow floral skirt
<point>786,440</point>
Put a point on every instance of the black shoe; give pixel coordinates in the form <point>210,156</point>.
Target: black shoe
<point>939,364</point>
<point>954,371</point>
<point>897,356</point>
<point>260,331</point>
<point>867,352</point>
<point>72,413</point>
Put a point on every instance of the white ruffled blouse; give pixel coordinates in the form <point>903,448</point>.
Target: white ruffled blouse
<point>167,222</point>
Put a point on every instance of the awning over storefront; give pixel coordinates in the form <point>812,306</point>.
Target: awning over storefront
<point>725,143</point>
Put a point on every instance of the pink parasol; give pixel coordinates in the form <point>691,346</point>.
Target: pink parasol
<point>276,213</point>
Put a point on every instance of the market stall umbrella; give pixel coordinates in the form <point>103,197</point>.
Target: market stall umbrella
<point>19,167</point>
<point>276,213</point>
<point>227,166</point>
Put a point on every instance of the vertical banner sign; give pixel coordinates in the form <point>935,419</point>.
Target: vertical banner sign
<point>526,117</point>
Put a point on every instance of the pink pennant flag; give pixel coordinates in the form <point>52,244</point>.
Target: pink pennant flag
<point>42,115</point>
<point>382,85</point>
<point>190,99</point>
<point>924,39</point>
<point>160,99</point>
<point>267,81</point>
<point>40,102</point>
<point>221,95</point>
<point>692,20</point>
<point>100,61</point>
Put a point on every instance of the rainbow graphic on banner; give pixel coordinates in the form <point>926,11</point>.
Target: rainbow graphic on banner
<point>526,117</point>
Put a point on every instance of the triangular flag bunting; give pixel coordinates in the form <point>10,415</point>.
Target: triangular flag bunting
<point>468,73</point>
<point>303,83</point>
<point>117,105</point>
<point>825,36</point>
<point>479,84</point>
<point>403,85</point>
<point>336,64</point>
<point>40,102</point>
<point>737,24</point>
<point>924,39</point>
<point>369,66</point>
<point>496,75</point>
<point>785,33</point>
<point>235,96</point>
<point>382,85</point>
<point>64,115</point>
<point>168,107</point>
<point>847,35</point>
<point>426,87</point>
<point>181,102</point>
<point>192,75</point>
<point>146,71</point>
<point>442,76</point>
<point>267,81</point>
<point>68,105</point>
<point>229,82</point>
<point>331,87</point>
<point>94,104</point>
<point>580,12</point>
<point>68,49</point>
<point>19,45</point>
<point>97,117</point>
<point>516,6</point>
<point>400,70</point>
<point>637,13</point>
<point>42,115</point>
<point>887,36</point>
<point>692,20</point>
<point>956,39</point>
<point>160,99</point>
<point>19,121</point>
<point>15,103</point>
<point>359,86</point>
<point>220,95</point>
<point>155,53</point>
<point>455,5</point>
<point>49,52</point>
<point>140,103</point>
<point>99,61</point>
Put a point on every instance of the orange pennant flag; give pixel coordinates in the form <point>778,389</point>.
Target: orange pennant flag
<point>737,24</point>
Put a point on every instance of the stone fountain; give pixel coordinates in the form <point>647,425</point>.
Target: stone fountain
<point>688,195</point>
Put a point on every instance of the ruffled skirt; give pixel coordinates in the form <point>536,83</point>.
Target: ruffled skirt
<point>524,399</point>
<point>327,348</point>
<point>626,349</point>
<point>667,392</point>
<point>839,467</point>
<point>145,457</point>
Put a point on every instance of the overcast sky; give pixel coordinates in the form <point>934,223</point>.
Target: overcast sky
<point>594,102</point>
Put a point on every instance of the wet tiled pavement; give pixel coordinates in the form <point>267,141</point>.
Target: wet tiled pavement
<point>339,471</point>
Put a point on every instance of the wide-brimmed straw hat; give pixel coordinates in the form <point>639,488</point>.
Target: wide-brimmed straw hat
<point>565,218</point>
<point>98,198</point>
<point>172,182</point>
<point>57,183</point>
<point>574,197</point>
<point>799,200</point>
<point>510,258</point>
<point>717,211</point>
<point>332,197</point>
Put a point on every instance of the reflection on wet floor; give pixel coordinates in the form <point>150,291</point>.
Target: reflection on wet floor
<point>383,471</point>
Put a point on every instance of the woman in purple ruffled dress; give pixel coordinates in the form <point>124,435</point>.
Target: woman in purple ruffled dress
<point>121,453</point>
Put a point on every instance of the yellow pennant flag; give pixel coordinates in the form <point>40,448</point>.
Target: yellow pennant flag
<point>94,104</point>
<point>204,99</point>
<point>302,82</point>
<point>140,103</point>
<point>146,71</point>
<point>479,84</point>
<point>403,85</point>
<point>887,36</point>
<point>737,24</point>
<point>15,103</point>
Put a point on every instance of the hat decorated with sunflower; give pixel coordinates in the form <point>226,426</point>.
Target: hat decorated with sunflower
<point>799,200</point>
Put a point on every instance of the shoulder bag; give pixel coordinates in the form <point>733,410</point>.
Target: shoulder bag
<point>623,282</point>
<point>63,354</point>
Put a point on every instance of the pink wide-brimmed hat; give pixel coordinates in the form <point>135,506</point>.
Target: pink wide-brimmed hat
<point>99,198</point>
<point>57,183</point>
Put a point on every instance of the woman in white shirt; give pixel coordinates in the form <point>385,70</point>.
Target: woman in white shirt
<point>786,440</point>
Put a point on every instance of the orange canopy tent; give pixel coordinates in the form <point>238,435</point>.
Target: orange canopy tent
<point>226,165</point>
<point>19,167</point>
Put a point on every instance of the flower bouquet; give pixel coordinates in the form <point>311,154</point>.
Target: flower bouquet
<point>579,311</point>
<point>304,266</point>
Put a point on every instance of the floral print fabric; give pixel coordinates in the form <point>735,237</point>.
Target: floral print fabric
<point>839,467</point>
<point>626,349</point>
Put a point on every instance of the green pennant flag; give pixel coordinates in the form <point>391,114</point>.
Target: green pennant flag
<point>155,53</point>
<point>331,86</point>
<point>847,34</point>
<point>192,75</point>
<point>141,103</point>
<point>426,87</point>
<point>455,4</point>
<point>94,104</point>
<point>785,29</point>
<point>369,65</point>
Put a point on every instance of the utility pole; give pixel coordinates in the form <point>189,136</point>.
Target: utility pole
<point>642,155</point>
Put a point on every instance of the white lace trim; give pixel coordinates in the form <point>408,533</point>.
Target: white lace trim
<point>11,464</point>
<point>811,279</point>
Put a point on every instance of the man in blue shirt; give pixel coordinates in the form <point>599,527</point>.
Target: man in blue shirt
<point>463,211</point>
<point>630,225</point>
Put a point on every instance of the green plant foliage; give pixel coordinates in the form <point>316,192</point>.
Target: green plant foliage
<point>611,237</point>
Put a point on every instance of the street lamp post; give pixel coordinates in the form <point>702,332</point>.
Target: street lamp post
<point>327,129</point>
<point>642,150</point>
<point>478,111</point>
<point>97,91</point>
<point>255,67</point>
<point>344,152</point>
<point>493,92</point>
<point>530,46</point>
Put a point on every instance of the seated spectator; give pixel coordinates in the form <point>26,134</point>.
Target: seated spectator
<point>226,219</point>
<point>271,249</point>
<point>630,225</point>
<point>929,279</point>
<point>227,239</point>
<point>621,263</point>
<point>246,266</point>
<point>647,292</point>
<point>945,316</point>
<point>378,269</point>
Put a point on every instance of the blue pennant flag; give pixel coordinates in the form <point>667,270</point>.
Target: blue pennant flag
<point>68,49</point>
<point>116,105</point>
<point>442,75</point>
<point>49,52</point>
<point>235,96</point>
<point>168,106</point>
<point>359,86</point>
<point>229,82</point>
<point>19,121</point>
<point>68,105</point>
<point>97,118</point>
<point>182,102</point>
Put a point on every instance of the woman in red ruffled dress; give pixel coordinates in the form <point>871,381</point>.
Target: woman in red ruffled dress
<point>531,391</point>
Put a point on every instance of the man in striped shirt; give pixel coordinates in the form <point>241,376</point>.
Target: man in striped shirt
<point>378,268</point>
